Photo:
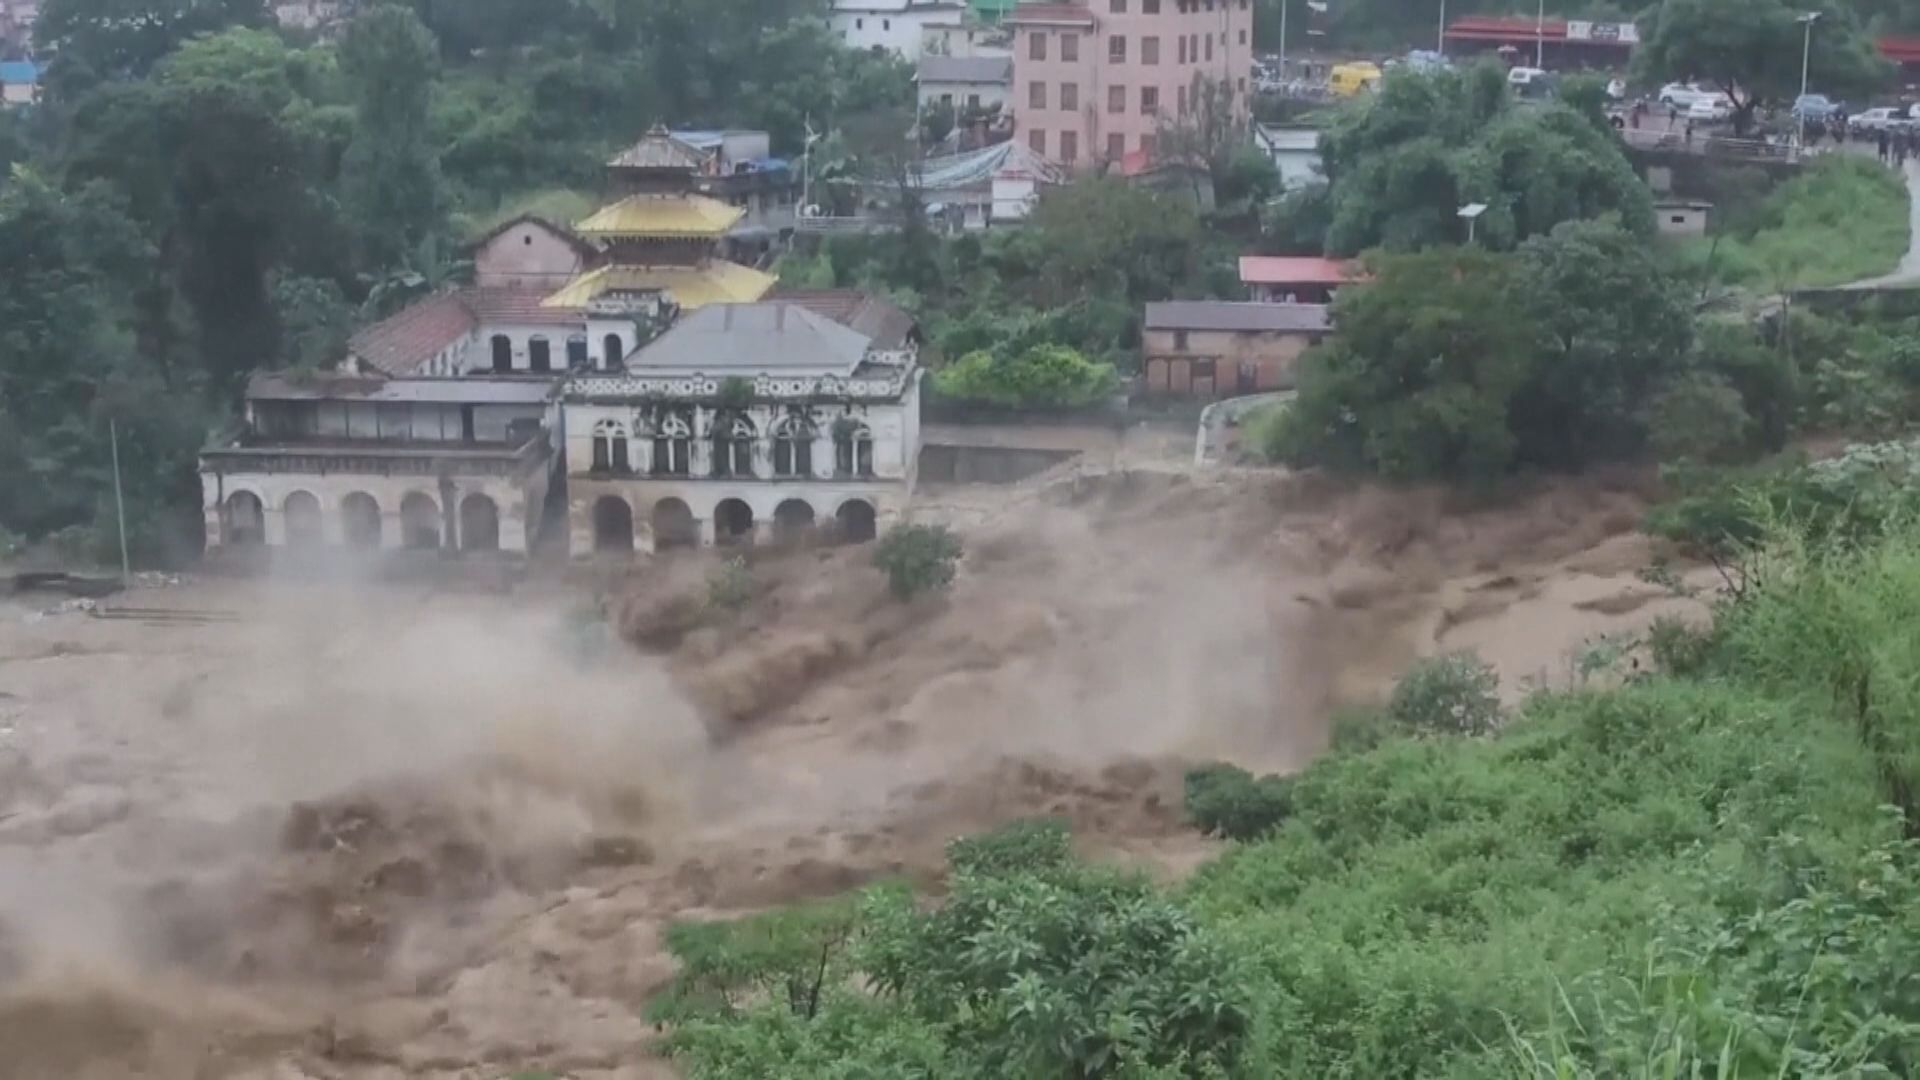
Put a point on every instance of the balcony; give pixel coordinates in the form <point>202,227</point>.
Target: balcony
<point>365,457</point>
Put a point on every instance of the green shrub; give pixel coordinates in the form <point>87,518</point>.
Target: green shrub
<point>917,559</point>
<point>1231,802</point>
<point>1677,648</point>
<point>1037,845</point>
<point>731,586</point>
<point>1359,729</point>
<point>1041,377</point>
<point>1700,417</point>
<point>1456,694</point>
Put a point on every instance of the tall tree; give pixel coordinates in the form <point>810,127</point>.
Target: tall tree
<point>1752,50</point>
<point>392,183</point>
<point>125,38</point>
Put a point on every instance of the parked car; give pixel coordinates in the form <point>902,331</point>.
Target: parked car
<point>1815,107</point>
<point>1880,118</point>
<point>1711,109</point>
<point>1682,95</point>
<point>1617,89</point>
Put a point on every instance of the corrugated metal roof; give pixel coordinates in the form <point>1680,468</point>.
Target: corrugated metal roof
<point>714,282</point>
<point>18,72</point>
<point>884,324</point>
<point>1234,315</point>
<point>996,70</point>
<point>470,390</point>
<point>1295,270</point>
<point>663,215</point>
<point>753,337</point>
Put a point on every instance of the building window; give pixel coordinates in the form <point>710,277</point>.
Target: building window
<point>793,448</point>
<point>1149,7</point>
<point>733,447</point>
<point>1116,147</point>
<point>1037,95</point>
<point>1117,49</point>
<point>615,352</point>
<point>1037,141</point>
<point>1180,47</point>
<point>540,354</point>
<point>859,24</point>
<point>610,447</point>
<point>852,449</point>
<point>1069,47</point>
<point>577,358</point>
<point>1202,369</point>
<point>1209,48</point>
<point>1069,147</point>
<point>1180,97</point>
<point>1149,50</point>
<point>1116,99</point>
<point>1069,97</point>
<point>502,353</point>
<point>1118,7</point>
<point>1149,100</point>
<point>946,101</point>
<point>973,101</point>
<point>1147,144</point>
<point>1243,86</point>
<point>1243,36</point>
<point>886,24</point>
<point>1037,46</point>
<point>673,448</point>
<point>1180,341</point>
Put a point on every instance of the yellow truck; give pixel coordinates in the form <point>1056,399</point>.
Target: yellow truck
<point>1346,80</point>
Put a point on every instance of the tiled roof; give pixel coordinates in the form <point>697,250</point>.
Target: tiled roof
<point>1234,315</point>
<point>716,281</point>
<point>995,70</point>
<point>663,215</point>
<point>887,326</point>
<point>507,305</point>
<point>1295,270</point>
<point>660,150</point>
<point>754,337</point>
<point>417,333</point>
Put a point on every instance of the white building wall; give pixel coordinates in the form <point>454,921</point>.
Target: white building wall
<point>864,24</point>
<point>517,503</point>
<point>479,356</point>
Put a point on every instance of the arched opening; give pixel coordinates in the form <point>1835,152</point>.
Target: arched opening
<point>577,358</point>
<point>610,447</point>
<point>857,521</point>
<point>673,447</point>
<point>613,352</point>
<point>733,447</point>
<point>539,354</point>
<point>502,353</point>
<point>419,522</point>
<point>301,514</point>
<point>360,520</point>
<point>733,522</point>
<point>792,521</point>
<point>245,521</point>
<point>479,524</point>
<point>852,449</point>
<point>612,524</point>
<point>673,525</point>
<point>793,448</point>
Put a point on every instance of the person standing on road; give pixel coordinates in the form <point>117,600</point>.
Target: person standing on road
<point>1673,116</point>
<point>1880,138</point>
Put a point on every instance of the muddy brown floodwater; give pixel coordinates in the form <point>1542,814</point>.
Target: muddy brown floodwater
<point>376,830</point>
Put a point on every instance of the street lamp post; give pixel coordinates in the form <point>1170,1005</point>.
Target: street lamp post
<point>1441,41</point>
<point>1540,37</point>
<point>1806,58</point>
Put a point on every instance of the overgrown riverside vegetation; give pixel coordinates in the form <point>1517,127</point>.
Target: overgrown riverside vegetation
<point>1708,871</point>
<point>1845,219</point>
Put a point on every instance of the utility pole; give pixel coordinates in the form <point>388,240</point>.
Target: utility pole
<point>1540,37</point>
<point>1806,58</point>
<point>1440,45</point>
<point>119,502</point>
<point>1284,5</point>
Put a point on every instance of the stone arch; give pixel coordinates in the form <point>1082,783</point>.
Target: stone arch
<point>857,520</point>
<point>305,524</point>
<point>419,522</point>
<point>733,522</point>
<point>577,357</point>
<point>613,350</point>
<point>673,525</point>
<point>243,520</point>
<point>793,521</point>
<point>793,448</point>
<point>673,447</point>
<point>479,524</point>
<point>612,524</point>
<point>610,447</point>
<point>360,520</point>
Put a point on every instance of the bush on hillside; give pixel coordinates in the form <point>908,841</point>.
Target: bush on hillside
<point>1456,694</point>
<point>1231,802</point>
<point>1042,377</point>
<point>1699,417</point>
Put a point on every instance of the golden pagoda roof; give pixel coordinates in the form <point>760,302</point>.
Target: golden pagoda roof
<point>716,281</point>
<point>672,216</point>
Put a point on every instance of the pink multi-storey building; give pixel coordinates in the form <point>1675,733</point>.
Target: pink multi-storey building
<point>1095,80</point>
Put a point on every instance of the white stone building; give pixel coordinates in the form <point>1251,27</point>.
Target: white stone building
<point>898,26</point>
<point>748,423</point>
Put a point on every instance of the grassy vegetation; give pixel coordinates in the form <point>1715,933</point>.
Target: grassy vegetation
<point>1846,218</point>
<point>560,205</point>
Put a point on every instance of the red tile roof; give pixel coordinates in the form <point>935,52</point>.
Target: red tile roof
<point>1516,28</point>
<point>415,334</point>
<point>509,305</point>
<point>1295,270</point>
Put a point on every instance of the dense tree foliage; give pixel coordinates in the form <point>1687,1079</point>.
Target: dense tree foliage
<point>1403,165</point>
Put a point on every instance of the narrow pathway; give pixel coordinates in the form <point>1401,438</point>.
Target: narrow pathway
<point>1907,274</point>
